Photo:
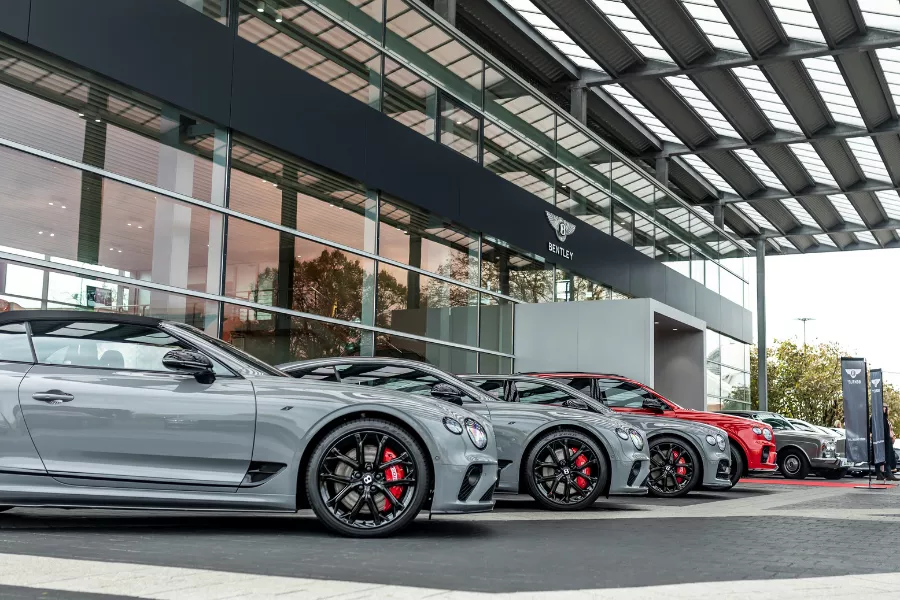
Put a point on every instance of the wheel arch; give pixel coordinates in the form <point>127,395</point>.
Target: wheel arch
<point>685,439</point>
<point>794,447</point>
<point>551,427</point>
<point>323,428</point>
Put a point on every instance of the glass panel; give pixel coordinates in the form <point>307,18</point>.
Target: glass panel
<point>708,173</point>
<point>421,305</point>
<point>645,235</point>
<point>409,99</point>
<point>516,107</point>
<point>518,162</point>
<point>766,98</point>
<point>431,49</point>
<point>83,121</point>
<point>276,269</point>
<point>216,9</point>
<point>277,339</point>
<point>582,199</point>
<point>575,149</point>
<point>622,17</point>
<point>420,239</point>
<point>713,378</point>
<point>268,185</point>
<point>623,223</point>
<point>828,80</point>
<point>312,43</point>
<point>491,364</point>
<point>710,18</point>
<point>713,404</point>
<point>869,159</point>
<point>516,274</point>
<point>846,209</point>
<point>798,20</point>
<point>14,346</point>
<point>496,324</point>
<point>459,129</point>
<point>640,112</point>
<point>712,276</point>
<point>452,360</point>
<point>556,36</point>
<point>68,215</point>
<point>731,287</point>
<point>632,187</point>
<point>703,107</point>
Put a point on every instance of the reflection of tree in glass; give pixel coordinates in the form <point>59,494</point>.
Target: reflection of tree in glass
<point>527,285</point>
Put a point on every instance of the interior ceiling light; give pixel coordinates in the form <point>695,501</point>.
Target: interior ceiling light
<point>261,7</point>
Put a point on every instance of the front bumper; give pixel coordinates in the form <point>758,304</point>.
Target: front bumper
<point>828,464</point>
<point>762,457</point>
<point>453,495</point>
<point>629,477</point>
<point>716,470</point>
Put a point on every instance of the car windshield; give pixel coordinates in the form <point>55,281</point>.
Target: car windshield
<point>584,398</point>
<point>232,351</point>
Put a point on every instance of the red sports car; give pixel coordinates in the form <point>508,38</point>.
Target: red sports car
<point>752,442</point>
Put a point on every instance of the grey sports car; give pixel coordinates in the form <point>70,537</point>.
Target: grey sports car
<point>101,410</point>
<point>801,452</point>
<point>565,458</point>
<point>683,454</point>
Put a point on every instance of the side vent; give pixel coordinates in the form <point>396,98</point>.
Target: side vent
<point>260,472</point>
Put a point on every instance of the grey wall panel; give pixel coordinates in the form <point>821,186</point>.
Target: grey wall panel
<point>733,320</point>
<point>165,49</point>
<point>709,307</point>
<point>14,18</point>
<point>748,326</point>
<point>648,280</point>
<point>680,292</point>
<point>679,367</point>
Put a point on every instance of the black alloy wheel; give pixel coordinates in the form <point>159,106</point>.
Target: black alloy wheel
<point>367,478</point>
<point>793,464</point>
<point>737,465</point>
<point>674,469</point>
<point>566,470</point>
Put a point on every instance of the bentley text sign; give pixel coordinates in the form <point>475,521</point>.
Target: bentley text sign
<point>563,230</point>
<point>856,408</point>
<point>878,448</point>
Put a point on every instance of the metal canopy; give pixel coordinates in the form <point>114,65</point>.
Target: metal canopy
<point>783,111</point>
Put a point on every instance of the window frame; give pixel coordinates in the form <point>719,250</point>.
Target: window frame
<point>27,325</point>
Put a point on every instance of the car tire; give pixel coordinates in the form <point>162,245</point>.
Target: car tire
<point>545,478</point>
<point>676,454</point>
<point>382,506</point>
<point>737,466</point>
<point>793,465</point>
<point>834,474</point>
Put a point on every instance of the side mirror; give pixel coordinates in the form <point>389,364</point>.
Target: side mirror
<point>190,362</point>
<point>445,391</point>
<point>653,404</point>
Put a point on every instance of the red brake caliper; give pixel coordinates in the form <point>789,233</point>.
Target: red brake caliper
<point>395,472</point>
<point>680,470</point>
<point>580,462</point>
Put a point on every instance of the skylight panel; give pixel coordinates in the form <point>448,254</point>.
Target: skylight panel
<point>811,160</point>
<point>766,98</point>
<point>713,23</point>
<point>868,158</point>
<point>799,212</point>
<point>824,240</point>
<point>831,85</point>
<point>754,216</point>
<point>890,201</point>
<point>798,20</point>
<point>890,64</point>
<point>698,100</point>
<point>711,176</point>
<point>640,111</point>
<point>556,36</point>
<point>765,174</point>
<point>865,236</point>
<point>633,30</point>
<point>845,208</point>
<point>881,14</point>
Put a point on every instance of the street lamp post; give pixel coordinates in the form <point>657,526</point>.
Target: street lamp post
<point>804,319</point>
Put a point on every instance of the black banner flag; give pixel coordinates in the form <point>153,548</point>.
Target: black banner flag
<point>856,409</point>
<point>878,433</point>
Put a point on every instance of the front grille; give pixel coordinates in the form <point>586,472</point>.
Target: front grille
<point>723,471</point>
<point>635,469</point>
<point>488,495</point>
<point>765,454</point>
<point>470,480</point>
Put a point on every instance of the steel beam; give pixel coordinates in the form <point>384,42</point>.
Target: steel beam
<point>813,190</point>
<point>762,380</point>
<point>805,230</point>
<point>873,39</point>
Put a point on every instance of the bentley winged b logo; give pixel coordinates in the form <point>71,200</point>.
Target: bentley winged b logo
<point>876,382</point>
<point>562,227</point>
<point>853,372</point>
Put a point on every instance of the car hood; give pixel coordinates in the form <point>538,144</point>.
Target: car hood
<point>719,420</point>
<point>359,394</point>
<point>789,435</point>
<point>652,422</point>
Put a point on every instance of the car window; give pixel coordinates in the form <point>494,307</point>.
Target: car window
<point>494,387</point>
<point>776,423</point>
<point>14,346</point>
<point>394,377</point>
<point>582,384</point>
<point>315,373</point>
<point>621,394</point>
<point>529,392</point>
<point>802,427</point>
<point>105,345</point>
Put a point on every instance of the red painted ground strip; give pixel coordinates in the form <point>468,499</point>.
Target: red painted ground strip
<point>815,483</point>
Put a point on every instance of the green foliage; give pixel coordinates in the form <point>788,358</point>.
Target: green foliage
<point>805,383</point>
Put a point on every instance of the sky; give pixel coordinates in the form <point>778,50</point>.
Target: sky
<point>854,298</point>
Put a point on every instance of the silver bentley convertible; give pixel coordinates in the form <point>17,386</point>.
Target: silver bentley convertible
<point>102,410</point>
<point>684,455</point>
<point>565,458</point>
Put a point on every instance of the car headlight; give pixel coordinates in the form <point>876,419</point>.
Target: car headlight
<point>720,442</point>
<point>711,440</point>
<point>767,433</point>
<point>757,431</point>
<point>453,425</point>
<point>622,433</point>
<point>476,433</point>
<point>636,438</point>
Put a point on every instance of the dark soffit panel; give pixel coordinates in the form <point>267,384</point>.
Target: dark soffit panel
<point>14,18</point>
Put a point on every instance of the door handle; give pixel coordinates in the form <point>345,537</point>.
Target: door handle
<point>53,397</point>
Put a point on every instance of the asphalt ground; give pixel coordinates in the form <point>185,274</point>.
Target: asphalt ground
<point>755,532</point>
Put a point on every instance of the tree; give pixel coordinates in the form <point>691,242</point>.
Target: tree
<point>805,383</point>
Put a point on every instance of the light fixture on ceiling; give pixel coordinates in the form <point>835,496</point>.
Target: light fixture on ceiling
<point>278,18</point>
<point>656,322</point>
<point>140,226</point>
<point>119,251</point>
<point>52,235</point>
<point>96,120</point>
<point>111,249</point>
<point>674,329</point>
<point>50,203</point>
<point>63,206</point>
<point>80,114</point>
<point>129,224</point>
<point>40,233</point>
<point>261,7</point>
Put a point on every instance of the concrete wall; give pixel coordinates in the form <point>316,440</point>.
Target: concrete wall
<point>680,366</point>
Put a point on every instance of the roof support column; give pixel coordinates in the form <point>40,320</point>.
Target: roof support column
<point>762,378</point>
<point>719,211</point>
<point>662,171</point>
<point>579,104</point>
<point>446,9</point>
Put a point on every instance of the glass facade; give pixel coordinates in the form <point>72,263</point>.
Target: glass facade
<point>727,373</point>
<point>126,204</point>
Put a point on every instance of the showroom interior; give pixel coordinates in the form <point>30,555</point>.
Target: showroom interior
<point>323,177</point>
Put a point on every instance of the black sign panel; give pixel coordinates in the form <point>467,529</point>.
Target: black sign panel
<point>877,418</point>
<point>856,408</point>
